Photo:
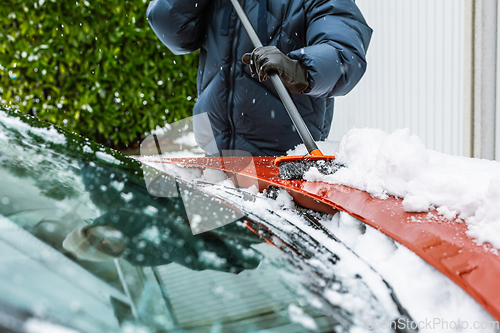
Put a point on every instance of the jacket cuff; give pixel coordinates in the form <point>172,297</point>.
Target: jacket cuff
<point>323,66</point>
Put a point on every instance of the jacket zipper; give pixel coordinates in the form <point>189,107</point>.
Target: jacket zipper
<point>232,72</point>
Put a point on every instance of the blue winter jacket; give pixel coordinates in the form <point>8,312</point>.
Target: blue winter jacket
<point>329,37</point>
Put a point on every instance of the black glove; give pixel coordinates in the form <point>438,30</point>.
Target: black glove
<point>270,58</point>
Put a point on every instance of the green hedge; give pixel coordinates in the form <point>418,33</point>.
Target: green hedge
<point>94,67</point>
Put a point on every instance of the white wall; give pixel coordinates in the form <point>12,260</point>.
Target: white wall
<point>484,78</point>
<point>415,75</point>
<point>497,120</point>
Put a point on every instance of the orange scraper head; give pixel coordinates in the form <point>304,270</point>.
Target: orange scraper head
<point>294,167</point>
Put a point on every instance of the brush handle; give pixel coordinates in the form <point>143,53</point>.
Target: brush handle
<point>290,107</point>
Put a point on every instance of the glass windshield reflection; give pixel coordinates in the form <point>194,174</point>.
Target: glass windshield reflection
<point>153,231</point>
<point>85,245</point>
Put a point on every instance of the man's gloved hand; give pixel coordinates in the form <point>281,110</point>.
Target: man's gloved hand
<point>270,58</point>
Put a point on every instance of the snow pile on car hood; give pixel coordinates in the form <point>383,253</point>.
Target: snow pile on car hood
<point>398,164</point>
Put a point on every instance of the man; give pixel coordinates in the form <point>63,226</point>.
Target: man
<point>317,46</point>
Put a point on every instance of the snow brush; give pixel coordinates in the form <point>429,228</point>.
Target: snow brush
<point>291,167</point>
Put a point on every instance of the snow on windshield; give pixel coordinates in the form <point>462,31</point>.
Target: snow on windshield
<point>48,134</point>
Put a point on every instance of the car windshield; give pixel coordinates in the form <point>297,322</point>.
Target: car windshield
<point>149,269</point>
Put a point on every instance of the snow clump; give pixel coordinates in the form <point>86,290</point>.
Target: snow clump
<point>399,164</point>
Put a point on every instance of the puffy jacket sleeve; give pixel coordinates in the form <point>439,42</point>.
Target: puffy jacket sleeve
<point>337,38</point>
<point>180,24</point>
